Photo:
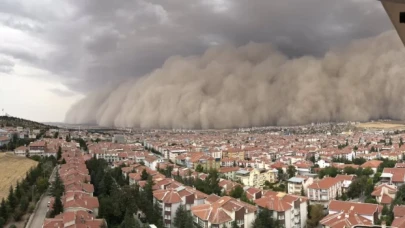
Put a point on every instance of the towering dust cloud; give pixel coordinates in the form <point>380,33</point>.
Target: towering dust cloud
<point>256,85</point>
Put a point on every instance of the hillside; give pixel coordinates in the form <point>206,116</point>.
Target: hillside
<point>9,121</point>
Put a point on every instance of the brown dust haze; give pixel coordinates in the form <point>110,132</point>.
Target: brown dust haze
<point>256,85</point>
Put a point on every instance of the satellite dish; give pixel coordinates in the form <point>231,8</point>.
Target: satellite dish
<point>396,11</point>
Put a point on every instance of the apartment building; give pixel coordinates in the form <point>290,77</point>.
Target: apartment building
<point>298,184</point>
<point>228,172</point>
<point>37,148</point>
<point>218,212</point>
<point>171,199</point>
<point>289,210</point>
<point>322,191</point>
<point>342,213</point>
<point>21,151</point>
<point>393,176</point>
<point>255,177</point>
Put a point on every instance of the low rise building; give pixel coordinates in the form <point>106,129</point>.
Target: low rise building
<point>255,177</point>
<point>322,191</point>
<point>345,213</point>
<point>299,185</point>
<point>289,210</point>
<point>218,212</point>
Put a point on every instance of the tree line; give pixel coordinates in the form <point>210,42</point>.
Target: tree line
<point>119,201</point>
<point>22,198</point>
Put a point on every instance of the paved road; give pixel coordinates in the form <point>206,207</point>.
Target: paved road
<point>40,213</point>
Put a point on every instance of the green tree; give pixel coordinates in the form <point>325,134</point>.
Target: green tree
<point>57,188</point>
<point>385,210</point>
<point>199,168</point>
<point>234,224</point>
<point>11,199</point>
<point>328,171</point>
<point>264,219</point>
<point>57,207</point>
<point>291,171</point>
<point>3,210</point>
<point>130,221</point>
<point>236,192</point>
<point>144,175</point>
<point>2,222</point>
<point>180,217</point>
<point>55,135</point>
<point>367,171</point>
<point>349,170</point>
<point>315,215</point>
<point>357,187</point>
<point>59,153</point>
<point>42,184</point>
<point>359,161</point>
<point>280,174</point>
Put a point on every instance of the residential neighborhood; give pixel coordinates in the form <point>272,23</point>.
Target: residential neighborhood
<point>230,179</point>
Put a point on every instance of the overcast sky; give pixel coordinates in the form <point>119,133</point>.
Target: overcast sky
<point>53,52</point>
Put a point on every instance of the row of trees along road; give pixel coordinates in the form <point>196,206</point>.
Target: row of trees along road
<point>22,198</point>
<point>119,202</point>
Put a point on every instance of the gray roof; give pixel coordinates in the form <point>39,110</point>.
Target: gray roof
<point>296,179</point>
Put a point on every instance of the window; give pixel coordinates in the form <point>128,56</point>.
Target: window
<point>402,17</point>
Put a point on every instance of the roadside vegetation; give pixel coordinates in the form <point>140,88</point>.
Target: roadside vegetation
<point>23,197</point>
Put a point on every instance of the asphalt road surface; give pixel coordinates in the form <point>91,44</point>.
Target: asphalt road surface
<point>40,213</point>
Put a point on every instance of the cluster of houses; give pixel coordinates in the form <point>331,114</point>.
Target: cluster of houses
<point>213,210</point>
<point>250,160</point>
<point>80,207</point>
<point>45,147</point>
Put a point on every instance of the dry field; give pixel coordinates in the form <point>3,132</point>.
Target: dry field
<point>381,125</point>
<point>12,168</point>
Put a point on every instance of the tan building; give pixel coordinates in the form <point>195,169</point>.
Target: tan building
<point>321,192</point>
<point>255,177</point>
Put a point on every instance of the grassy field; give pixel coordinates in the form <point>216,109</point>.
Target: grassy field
<point>382,125</point>
<point>12,169</point>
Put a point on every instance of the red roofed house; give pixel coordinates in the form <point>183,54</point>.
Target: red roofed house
<point>399,216</point>
<point>395,176</point>
<point>384,194</point>
<point>222,211</point>
<point>349,214</point>
<point>74,219</point>
<point>37,148</point>
<point>171,199</point>
<point>75,201</point>
<point>21,151</point>
<point>373,164</point>
<point>323,191</point>
<point>289,210</point>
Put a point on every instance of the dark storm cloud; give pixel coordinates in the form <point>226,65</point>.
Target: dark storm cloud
<point>104,42</point>
<point>107,46</point>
